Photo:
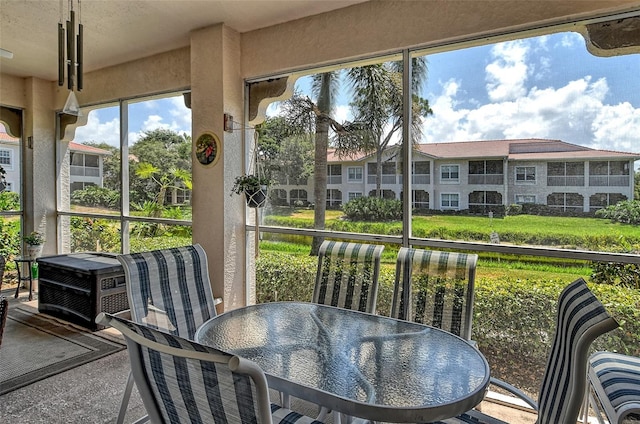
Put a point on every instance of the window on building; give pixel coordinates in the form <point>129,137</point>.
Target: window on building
<point>521,199</point>
<point>389,172</point>
<point>355,174</point>
<point>334,198</point>
<point>334,174</point>
<point>354,195</point>
<point>566,201</point>
<point>484,201</point>
<point>569,174</point>
<point>450,200</point>
<point>6,159</point>
<point>486,172</point>
<point>609,173</point>
<point>386,194</point>
<point>298,197</point>
<point>450,173</point>
<point>421,172</point>
<point>602,200</point>
<point>525,174</point>
<point>420,199</point>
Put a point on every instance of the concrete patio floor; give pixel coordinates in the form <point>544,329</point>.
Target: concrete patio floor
<point>91,393</point>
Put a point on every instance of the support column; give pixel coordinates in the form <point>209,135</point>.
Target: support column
<point>218,218</point>
<point>39,170</point>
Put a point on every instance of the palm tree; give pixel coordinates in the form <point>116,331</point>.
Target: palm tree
<point>377,106</point>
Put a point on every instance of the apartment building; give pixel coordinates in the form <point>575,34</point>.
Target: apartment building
<point>478,175</point>
<point>85,163</point>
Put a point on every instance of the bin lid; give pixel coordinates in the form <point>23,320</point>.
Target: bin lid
<point>89,262</point>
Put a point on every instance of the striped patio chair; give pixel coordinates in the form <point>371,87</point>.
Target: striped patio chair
<point>4,311</point>
<point>182,381</point>
<point>435,288</point>
<point>347,275</point>
<point>580,319</point>
<point>168,290</point>
<point>614,387</point>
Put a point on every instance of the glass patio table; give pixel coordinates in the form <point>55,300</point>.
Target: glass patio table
<point>360,364</point>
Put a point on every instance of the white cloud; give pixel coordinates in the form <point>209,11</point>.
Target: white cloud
<point>97,131</point>
<point>507,74</point>
<point>575,111</point>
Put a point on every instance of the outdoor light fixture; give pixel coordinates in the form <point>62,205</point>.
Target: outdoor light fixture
<point>72,60</point>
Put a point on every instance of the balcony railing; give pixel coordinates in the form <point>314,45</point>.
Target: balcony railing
<point>486,179</point>
<point>386,179</point>
<point>609,180</point>
<point>566,181</point>
<point>421,179</point>
<point>334,179</point>
<point>85,171</point>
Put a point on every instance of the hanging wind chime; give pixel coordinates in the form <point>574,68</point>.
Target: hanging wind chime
<point>73,58</point>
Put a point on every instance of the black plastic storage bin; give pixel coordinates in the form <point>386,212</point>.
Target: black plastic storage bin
<point>78,286</point>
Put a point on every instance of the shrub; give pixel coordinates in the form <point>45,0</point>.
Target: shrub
<point>96,196</point>
<point>9,201</point>
<point>617,274</point>
<point>9,238</point>
<point>373,209</point>
<point>514,209</point>
<point>89,234</point>
<point>626,212</point>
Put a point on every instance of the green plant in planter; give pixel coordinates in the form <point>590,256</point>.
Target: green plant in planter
<point>34,239</point>
<point>250,183</point>
<point>254,188</point>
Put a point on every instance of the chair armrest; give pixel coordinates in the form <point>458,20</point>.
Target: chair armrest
<point>515,391</point>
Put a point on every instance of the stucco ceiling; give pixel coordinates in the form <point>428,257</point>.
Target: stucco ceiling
<point>117,31</point>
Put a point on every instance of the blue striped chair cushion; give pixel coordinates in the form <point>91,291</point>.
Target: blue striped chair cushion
<point>196,390</point>
<point>169,289</point>
<point>347,275</point>
<point>580,319</point>
<point>435,288</point>
<point>619,376</point>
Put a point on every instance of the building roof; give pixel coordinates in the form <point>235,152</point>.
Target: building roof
<point>519,149</point>
<point>74,147</point>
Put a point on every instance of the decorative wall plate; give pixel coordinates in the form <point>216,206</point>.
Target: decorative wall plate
<point>208,148</point>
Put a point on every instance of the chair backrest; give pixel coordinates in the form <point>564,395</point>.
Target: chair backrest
<point>4,310</point>
<point>169,289</point>
<point>183,381</point>
<point>347,275</point>
<point>435,288</point>
<point>581,318</point>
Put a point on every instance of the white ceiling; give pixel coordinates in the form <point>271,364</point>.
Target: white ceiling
<point>118,31</point>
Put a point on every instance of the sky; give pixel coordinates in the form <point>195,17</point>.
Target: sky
<point>542,87</point>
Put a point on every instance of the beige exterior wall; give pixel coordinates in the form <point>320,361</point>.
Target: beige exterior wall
<point>214,66</point>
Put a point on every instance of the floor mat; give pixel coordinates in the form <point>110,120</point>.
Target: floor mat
<point>36,346</point>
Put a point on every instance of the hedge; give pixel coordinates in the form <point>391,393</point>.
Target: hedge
<point>513,323</point>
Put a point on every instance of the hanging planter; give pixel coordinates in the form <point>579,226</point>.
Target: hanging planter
<point>254,187</point>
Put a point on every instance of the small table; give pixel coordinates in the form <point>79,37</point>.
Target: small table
<point>29,277</point>
<point>362,365</point>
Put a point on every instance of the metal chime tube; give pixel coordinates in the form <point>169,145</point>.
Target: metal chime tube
<point>60,53</point>
<point>71,48</point>
<point>80,57</point>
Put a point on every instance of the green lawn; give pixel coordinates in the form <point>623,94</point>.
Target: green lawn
<point>564,232</point>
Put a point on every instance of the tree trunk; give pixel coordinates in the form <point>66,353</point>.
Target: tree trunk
<point>320,181</point>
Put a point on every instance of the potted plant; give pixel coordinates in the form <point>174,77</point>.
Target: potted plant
<point>34,242</point>
<point>254,188</point>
